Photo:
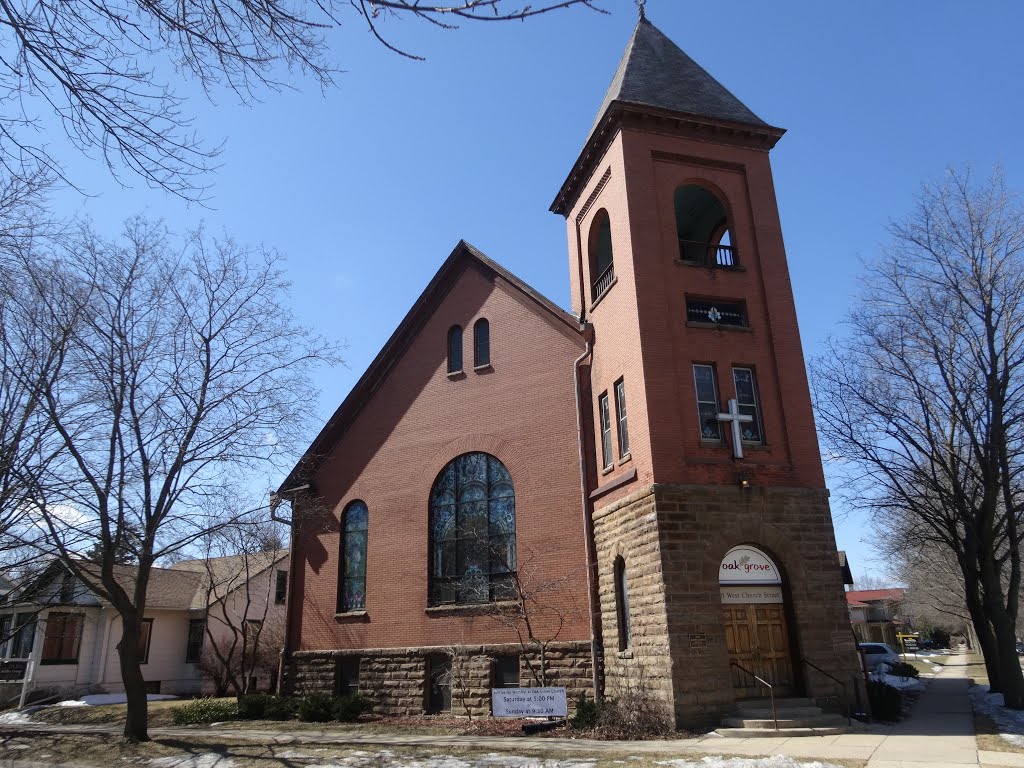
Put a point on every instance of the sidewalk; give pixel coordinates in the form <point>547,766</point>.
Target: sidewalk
<point>938,734</point>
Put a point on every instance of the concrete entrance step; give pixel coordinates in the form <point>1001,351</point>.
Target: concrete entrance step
<point>818,721</point>
<point>789,702</point>
<point>796,717</point>
<point>783,713</point>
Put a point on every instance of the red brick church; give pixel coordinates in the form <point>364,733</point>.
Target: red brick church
<point>635,488</point>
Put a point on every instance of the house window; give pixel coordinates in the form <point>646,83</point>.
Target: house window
<point>281,588</point>
<point>472,531</point>
<point>481,343</point>
<point>707,402</point>
<point>606,430</point>
<point>346,676</point>
<point>455,349</point>
<point>746,398</point>
<point>145,636</point>
<point>24,635</point>
<point>439,684</point>
<point>602,267</point>
<point>622,605</point>
<point>62,637</point>
<point>194,647</point>
<point>352,589</point>
<point>702,228</point>
<point>620,417</point>
<point>730,313</point>
<point>506,671</point>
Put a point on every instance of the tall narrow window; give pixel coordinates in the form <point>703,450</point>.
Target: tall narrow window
<point>481,343</point>
<point>5,635</point>
<point>472,532</point>
<point>194,646</point>
<point>506,671</point>
<point>346,676</point>
<point>602,268</point>
<point>25,629</point>
<point>707,402</point>
<point>281,588</point>
<point>455,349</point>
<point>145,636</point>
<point>620,416</point>
<point>746,398</point>
<point>439,677</point>
<point>606,431</point>
<point>352,590</point>
<point>622,605</point>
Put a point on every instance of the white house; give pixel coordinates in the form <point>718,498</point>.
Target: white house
<point>64,638</point>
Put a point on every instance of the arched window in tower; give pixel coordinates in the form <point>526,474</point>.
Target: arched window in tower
<point>481,343</point>
<point>455,349</point>
<point>602,267</point>
<point>702,226</point>
<point>352,586</point>
<point>472,532</point>
<point>622,605</point>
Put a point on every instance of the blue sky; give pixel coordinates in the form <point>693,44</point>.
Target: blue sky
<point>368,186</point>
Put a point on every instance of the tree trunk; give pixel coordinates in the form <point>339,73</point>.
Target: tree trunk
<point>1011,677</point>
<point>136,724</point>
<point>986,642</point>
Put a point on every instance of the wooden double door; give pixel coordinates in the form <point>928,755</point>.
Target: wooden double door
<point>757,640</point>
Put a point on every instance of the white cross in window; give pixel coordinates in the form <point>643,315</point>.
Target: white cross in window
<point>735,418</point>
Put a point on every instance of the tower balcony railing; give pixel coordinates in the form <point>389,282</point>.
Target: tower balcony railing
<point>706,254</point>
<point>604,282</point>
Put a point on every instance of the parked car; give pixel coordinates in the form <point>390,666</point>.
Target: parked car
<point>878,653</point>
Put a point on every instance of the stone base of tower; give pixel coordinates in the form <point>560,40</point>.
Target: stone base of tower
<point>672,539</point>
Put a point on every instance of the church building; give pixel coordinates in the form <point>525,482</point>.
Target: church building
<point>628,497</point>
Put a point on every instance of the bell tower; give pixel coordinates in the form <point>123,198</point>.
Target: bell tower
<point>715,548</point>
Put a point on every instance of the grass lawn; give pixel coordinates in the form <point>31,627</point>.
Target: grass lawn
<point>102,751</point>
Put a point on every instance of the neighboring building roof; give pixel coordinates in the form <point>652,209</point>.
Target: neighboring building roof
<point>219,576</point>
<point>462,256</point>
<point>655,72</point>
<point>167,588</point>
<point>855,604</point>
<point>874,595</point>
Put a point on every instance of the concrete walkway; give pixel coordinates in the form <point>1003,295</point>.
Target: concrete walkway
<point>938,734</point>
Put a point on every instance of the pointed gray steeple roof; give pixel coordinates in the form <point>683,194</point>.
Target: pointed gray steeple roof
<point>654,72</point>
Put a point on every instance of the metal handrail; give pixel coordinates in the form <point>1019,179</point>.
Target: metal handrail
<point>604,281</point>
<point>846,698</point>
<point>709,255</point>
<point>771,692</point>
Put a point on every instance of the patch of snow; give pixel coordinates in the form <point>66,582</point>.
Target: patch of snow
<point>1009,721</point>
<point>98,699</point>
<point>291,754</point>
<point>775,761</point>
<point>492,760</point>
<point>897,682</point>
<point>205,760</point>
<point>14,718</point>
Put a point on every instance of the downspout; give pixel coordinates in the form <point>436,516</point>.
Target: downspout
<point>275,500</point>
<point>588,532</point>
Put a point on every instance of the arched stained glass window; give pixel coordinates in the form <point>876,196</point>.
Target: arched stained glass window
<point>352,586</point>
<point>481,343</point>
<point>455,349</point>
<point>472,532</point>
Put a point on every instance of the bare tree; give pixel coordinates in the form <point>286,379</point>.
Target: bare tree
<point>100,70</point>
<point>244,631</point>
<point>924,398</point>
<point>185,377</point>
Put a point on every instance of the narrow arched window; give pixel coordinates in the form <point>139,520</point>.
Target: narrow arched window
<point>702,227</point>
<point>622,605</point>
<point>352,581</point>
<point>472,532</point>
<point>481,343</point>
<point>602,267</point>
<point>455,349</point>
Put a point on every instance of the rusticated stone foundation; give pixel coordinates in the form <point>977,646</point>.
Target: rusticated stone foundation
<point>395,680</point>
<point>672,539</point>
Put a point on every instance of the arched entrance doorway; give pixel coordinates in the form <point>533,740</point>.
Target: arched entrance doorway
<point>754,618</point>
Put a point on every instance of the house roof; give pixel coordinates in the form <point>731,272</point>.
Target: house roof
<point>874,595</point>
<point>655,77</point>
<point>463,256</point>
<point>167,588</point>
<point>220,576</point>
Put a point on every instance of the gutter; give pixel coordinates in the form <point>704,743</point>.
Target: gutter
<point>275,501</point>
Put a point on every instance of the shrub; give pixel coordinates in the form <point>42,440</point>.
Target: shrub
<point>316,708</point>
<point>199,711</point>
<point>588,713</point>
<point>263,706</point>
<point>902,669</point>
<point>347,709</point>
<point>886,702</point>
